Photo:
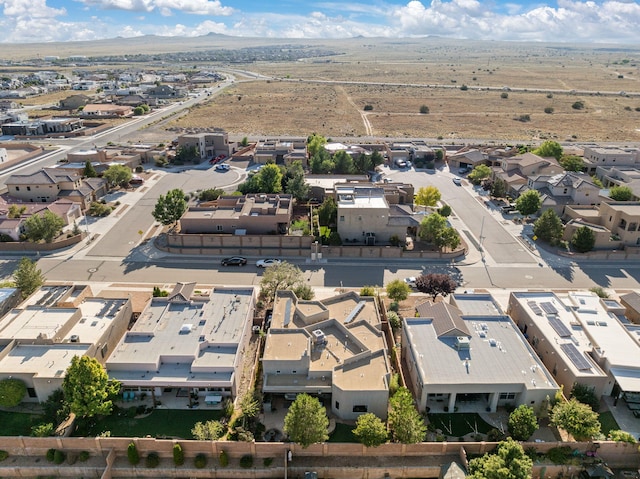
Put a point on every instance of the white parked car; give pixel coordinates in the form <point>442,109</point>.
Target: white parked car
<point>264,263</point>
<point>411,281</point>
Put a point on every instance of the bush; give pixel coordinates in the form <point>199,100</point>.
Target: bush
<point>152,460</point>
<point>579,105</point>
<point>368,107</point>
<point>223,459</point>
<point>600,292</point>
<point>51,454</point>
<point>11,392</point>
<point>548,110</point>
<point>84,456</point>
<point>178,455</point>
<point>200,461</point>
<point>394,306</point>
<point>59,456</point>
<point>464,88</point>
<point>559,455</point>
<point>42,430</point>
<point>139,169</point>
<point>267,461</point>
<point>367,291</point>
<point>3,455</point>
<point>524,118</point>
<point>424,109</point>
<point>246,461</point>
<point>132,454</point>
<point>394,320</point>
<point>504,95</point>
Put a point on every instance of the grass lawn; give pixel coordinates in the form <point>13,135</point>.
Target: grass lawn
<point>342,433</point>
<point>608,422</point>
<point>459,423</point>
<point>17,423</point>
<point>160,423</point>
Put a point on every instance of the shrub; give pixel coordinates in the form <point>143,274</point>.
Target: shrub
<point>549,95</point>
<point>132,454</point>
<point>223,459</point>
<point>368,107</point>
<point>424,109</point>
<point>579,105</point>
<point>178,455</point>
<point>152,460</point>
<point>559,455</point>
<point>59,456</point>
<point>11,392</point>
<point>524,118</point>
<point>600,292</point>
<point>267,461</point>
<point>139,169</point>
<point>367,291</point>
<point>42,430</point>
<point>504,95</point>
<point>464,88</point>
<point>3,455</point>
<point>394,306</point>
<point>394,320</point>
<point>200,461</point>
<point>51,454</point>
<point>246,461</point>
<point>84,456</point>
<point>548,110</point>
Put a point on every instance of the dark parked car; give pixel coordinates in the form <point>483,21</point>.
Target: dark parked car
<point>234,261</point>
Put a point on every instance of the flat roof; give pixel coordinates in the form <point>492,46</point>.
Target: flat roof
<point>35,322</point>
<point>498,354</point>
<point>44,361</point>
<point>476,305</point>
<point>202,334</point>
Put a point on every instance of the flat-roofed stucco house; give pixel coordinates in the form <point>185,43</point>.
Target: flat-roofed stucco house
<point>39,339</point>
<point>333,349</point>
<point>191,342</point>
<point>471,358</point>
<point>254,214</point>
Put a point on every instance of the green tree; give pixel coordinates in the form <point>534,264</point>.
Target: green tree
<point>270,179</point>
<point>432,226</point>
<point>398,290</point>
<point>28,277</point>
<point>508,462</point>
<point>572,163</point>
<point>620,193</point>
<point>522,423</point>
<point>596,181</point>
<point>137,111</point>
<point>208,431</point>
<point>405,423</point>
<point>479,173</point>
<point>244,142</point>
<point>315,143</point>
<point>434,284</point>
<point>621,436</point>
<point>328,212</point>
<point>210,194</point>
<point>343,163</point>
<point>249,406</point>
<point>170,207</point>
<point>576,418</point>
<point>89,171</point>
<point>528,202</point>
<point>586,395</point>
<point>306,422</point>
<point>548,227</point>
<point>370,430</point>
<point>283,276</point>
<point>16,211</point>
<point>583,239</point>
<point>132,454</point>
<point>119,175</point>
<point>186,154</point>
<point>45,226</point>
<point>304,291</point>
<point>87,387</point>
<point>12,391</point>
<point>428,196</point>
<point>549,149</point>
<point>294,182</point>
<point>499,188</point>
<point>448,238</point>
<point>178,455</point>
<point>321,162</point>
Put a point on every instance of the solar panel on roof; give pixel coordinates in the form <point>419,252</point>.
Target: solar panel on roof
<point>355,312</point>
<point>548,308</point>
<point>535,308</point>
<point>576,357</point>
<point>287,313</point>
<point>559,327</point>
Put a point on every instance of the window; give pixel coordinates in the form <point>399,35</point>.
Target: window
<point>31,392</point>
<point>278,372</point>
<point>337,405</point>
<point>341,218</point>
<point>360,408</point>
<point>17,188</point>
<point>28,188</point>
<point>294,372</point>
<point>219,228</point>
<point>507,395</point>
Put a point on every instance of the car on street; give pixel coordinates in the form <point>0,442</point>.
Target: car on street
<point>457,181</point>
<point>136,180</point>
<point>223,167</point>
<point>234,261</point>
<point>411,281</point>
<point>265,263</point>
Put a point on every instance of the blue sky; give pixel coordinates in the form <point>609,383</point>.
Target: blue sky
<point>599,21</point>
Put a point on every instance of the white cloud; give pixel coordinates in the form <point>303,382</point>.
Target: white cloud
<point>165,7</point>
